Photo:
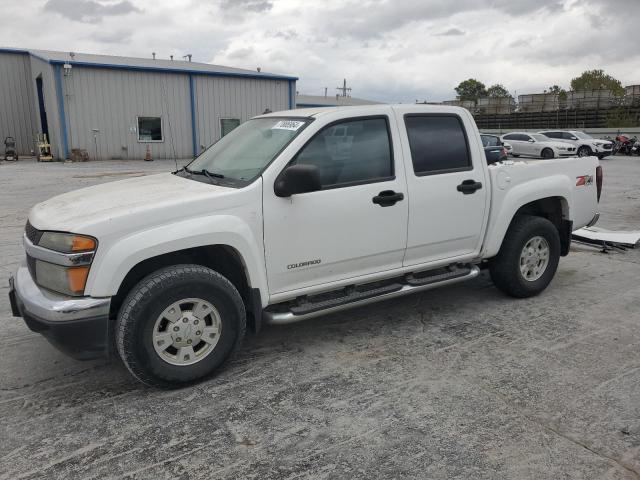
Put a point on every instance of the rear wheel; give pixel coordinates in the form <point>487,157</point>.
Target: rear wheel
<point>584,151</point>
<point>179,324</point>
<point>528,258</point>
<point>547,153</point>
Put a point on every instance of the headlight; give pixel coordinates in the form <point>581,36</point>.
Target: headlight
<point>65,280</point>
<point>59,261</point>
<point>66,242</point>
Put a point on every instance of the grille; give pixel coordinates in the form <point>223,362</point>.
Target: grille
<point>32,234</point>
<point>607,146</point>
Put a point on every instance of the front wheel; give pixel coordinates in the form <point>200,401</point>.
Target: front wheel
<point>547,154</point>
<point>584,151</point>
<point>179,324</point>
<point>528,258</point>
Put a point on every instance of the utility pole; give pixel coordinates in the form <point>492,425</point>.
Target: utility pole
<point>344,89</point>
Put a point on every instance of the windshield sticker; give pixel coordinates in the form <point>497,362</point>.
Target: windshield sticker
<point>287,125</point>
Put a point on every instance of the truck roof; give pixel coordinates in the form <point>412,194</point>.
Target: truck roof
<point>363,109</point>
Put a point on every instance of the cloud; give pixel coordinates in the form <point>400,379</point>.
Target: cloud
<point>89,10</point>
<point>246,5</point>
<point>388,50</point>
<point>112,36</point>
<point>452,32</point>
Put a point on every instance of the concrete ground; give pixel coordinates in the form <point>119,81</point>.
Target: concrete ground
<point>459,382</point>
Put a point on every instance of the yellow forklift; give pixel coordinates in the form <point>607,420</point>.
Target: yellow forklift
<point>43,148</point>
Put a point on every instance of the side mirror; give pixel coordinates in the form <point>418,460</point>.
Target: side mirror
<point>297,178</point>
<point>573,138</point>
<point>531,140</point>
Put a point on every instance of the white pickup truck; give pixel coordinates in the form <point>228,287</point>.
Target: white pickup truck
<point>290,216</point>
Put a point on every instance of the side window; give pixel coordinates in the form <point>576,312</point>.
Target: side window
<point>524,138</point>
<point>438,143</point>
<point>511,136</point>
<point>567,135</point>
<point>354,151</point>
<point>552,134</point>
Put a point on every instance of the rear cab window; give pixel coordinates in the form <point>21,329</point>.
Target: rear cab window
<point>438,143</point>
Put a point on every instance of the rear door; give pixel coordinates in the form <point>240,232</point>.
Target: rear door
<point>447,184</point>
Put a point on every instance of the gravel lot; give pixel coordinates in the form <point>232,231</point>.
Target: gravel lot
<point>454,383</point>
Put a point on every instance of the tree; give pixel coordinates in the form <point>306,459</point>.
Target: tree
<point>556,90</point>
<point>597,80</point>
<point>471,89</point>
<point>498,91</point>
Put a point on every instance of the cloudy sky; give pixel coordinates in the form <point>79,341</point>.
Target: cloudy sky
<point>388,50</point>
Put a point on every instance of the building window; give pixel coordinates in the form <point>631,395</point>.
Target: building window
<point>228,124</point>
<point>150,129</point>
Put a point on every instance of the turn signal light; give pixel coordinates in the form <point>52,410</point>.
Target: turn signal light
<point>81,244</point>
<point>77,277</point>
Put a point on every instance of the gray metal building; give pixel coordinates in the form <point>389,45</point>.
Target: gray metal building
<point>114,107</point>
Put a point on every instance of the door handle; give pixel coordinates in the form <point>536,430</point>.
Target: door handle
<point>469,186</point>
<point>387,198</point>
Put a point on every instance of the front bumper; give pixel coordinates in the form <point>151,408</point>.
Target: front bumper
<point>78,326</point>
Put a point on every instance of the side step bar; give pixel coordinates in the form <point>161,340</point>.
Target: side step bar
<point>357,299</point>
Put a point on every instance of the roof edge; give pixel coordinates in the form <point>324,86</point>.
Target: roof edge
<point>186,71</point>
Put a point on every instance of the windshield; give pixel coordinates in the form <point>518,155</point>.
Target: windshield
<point>243,153</point>
<point>490,141</point>
<point>584,136</point>
<point>540,138</point>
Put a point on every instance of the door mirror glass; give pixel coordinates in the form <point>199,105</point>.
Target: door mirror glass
<point>298,178</point>
<point>531,140</point>
<point>573,138</point>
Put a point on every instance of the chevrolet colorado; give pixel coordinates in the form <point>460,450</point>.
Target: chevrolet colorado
<point>292,215</point>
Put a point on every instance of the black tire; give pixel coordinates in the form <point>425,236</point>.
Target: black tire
<point>514,155</point>
<point>547,153</point>
<point>146,302</point>
<point>584,151</point>
<point>505,267</point>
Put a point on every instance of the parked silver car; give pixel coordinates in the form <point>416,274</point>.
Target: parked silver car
<point>537,145</point>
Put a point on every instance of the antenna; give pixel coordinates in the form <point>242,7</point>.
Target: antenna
<point>344,89</point>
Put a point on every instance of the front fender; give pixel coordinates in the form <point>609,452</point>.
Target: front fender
<point>115,260</point>
<point>507,202</point>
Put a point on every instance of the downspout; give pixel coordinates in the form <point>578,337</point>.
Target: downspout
<point>63,120</point>
<point>194,126</point>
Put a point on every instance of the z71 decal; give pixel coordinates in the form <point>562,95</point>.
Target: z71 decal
<point>584,180</point>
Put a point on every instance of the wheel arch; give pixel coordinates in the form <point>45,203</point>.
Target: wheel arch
<point>224,259</point>
<point>530,199</point>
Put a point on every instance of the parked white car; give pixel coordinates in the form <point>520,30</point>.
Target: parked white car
<point>585,144</point>
<point>537,145</point>
<point>290,216</point>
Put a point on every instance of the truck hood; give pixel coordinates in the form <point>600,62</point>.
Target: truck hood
<point>81,210</point>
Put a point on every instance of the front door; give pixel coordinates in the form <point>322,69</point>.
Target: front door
<point>347,229</point>
<point>448,190</point>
